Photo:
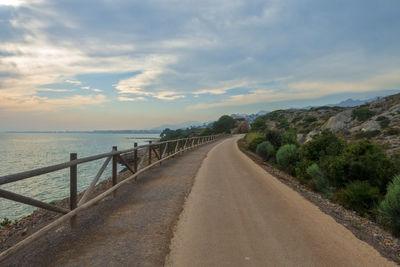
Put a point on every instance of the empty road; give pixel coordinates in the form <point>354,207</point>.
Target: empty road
<point>239,215</point>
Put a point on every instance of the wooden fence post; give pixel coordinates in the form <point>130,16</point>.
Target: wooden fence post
<point>150,152</point>
<point>135,159</point>
<point>73,187</point>
<point>114,169</point>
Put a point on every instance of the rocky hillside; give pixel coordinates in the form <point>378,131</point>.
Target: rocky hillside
<point>378,121</point>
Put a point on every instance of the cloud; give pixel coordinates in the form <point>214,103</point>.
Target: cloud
<point>36,103</point>
<point>55,90</point>
<point>73,82</point>
<point>307,90</point>
<point>17,3</point>
<point>221,53</point>
<point>167,95</point>
<point>131,99</point>
<point>152,68</point>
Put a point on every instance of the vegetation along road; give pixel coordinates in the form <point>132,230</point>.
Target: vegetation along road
<point>239,215</point>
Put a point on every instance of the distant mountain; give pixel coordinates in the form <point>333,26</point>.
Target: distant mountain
<point>352,103</point>
<point>249,117</point>
<point>183,125</point>
<point>347,103</point>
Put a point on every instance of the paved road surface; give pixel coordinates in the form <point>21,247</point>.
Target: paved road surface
<point>239,215</point>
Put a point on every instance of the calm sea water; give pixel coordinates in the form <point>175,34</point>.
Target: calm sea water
<point>22,151</point>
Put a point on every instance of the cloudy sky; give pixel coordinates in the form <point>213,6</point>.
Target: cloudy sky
<point>119,64</point>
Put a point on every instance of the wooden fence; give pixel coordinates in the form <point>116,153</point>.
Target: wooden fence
<point>151,155</point>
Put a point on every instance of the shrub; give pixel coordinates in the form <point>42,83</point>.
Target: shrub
<point>297,119</point>
<point>265,150</point>
<point>389,208</point>
<point>383,121</point>
<point>310,119</point>
<point>274,137</point>
<point>290,137</point>
<point>5,222</point>
<point>324,144</point>
<point>252,135</point>
<point>259,124</point>
<point>301,171</point>
<point>359,196</point>
<point>287,158</point>
<point>392,131</point>
<point>254,143</point>
<point>321,184</point>
<point>367,134</point>
<point>363,161</point>
<point>362,113</point>
<point>283,123</point>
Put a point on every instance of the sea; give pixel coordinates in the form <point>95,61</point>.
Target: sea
<point>26,151</point>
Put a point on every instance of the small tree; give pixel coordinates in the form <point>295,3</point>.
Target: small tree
<point>224,124</point>
<point>259,124</point>
<point>275,137</point>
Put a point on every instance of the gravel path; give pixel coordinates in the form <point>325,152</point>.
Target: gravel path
<point>133,229</point>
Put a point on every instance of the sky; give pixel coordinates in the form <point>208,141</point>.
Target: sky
<point>114,64</point>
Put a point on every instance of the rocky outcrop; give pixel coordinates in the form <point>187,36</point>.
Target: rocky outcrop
<point>367,126</point>
<point>339,122</point>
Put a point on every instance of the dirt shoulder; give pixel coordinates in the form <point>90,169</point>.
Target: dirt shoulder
<point>363,228</point>
<point>133,229</point>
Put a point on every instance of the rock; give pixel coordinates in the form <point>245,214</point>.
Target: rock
<point>370,125</point>
<point>311,134</point>
<point>301,138</point>
<point>339,122</point>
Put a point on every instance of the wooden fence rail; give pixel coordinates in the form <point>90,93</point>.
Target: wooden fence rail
<point>166,150</point>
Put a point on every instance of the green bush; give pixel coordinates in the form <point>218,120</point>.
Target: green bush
<point>301,171</point>
<point>252,135</point>
<point>287,158</point>
<point>363,161</point>
<point>283,123</point>
<point>297,119</point>
<point>265,150</point>
<point>324,144</point>
<point>290,137</point>
<point>389,208</point>
<point>320,183</point>
<point>254,143</point>
<point>359,196</point>
<point>5,222</point>
<point>259,124</point>
<point>362,113</point>
<point>367,134</point>
<point>274,137</point>
<point>383,121</point>
<point>310,119</point>
<point>392,131</point>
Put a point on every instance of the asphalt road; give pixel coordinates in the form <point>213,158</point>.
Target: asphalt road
<point>239,215</point>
